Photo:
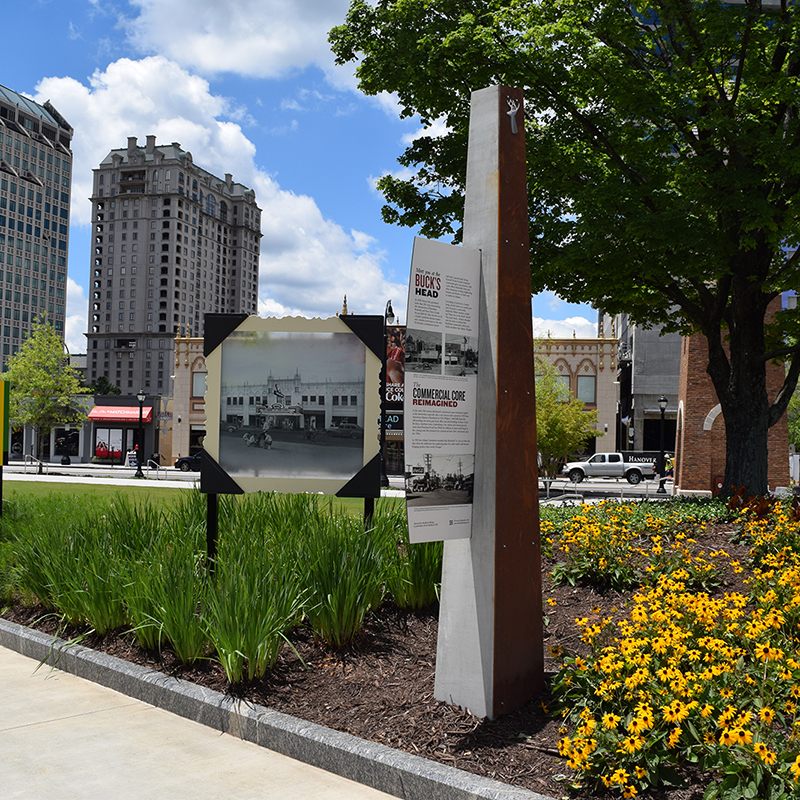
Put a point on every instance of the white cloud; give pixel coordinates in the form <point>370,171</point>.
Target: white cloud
<point>308,262</point>
<point>435,130</point>
<point>580,327</point>
<point>259,38</point>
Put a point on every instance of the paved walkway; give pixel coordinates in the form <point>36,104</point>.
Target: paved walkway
<point>64,737</point>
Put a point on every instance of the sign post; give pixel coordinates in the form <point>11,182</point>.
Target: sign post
<point>490,653</point>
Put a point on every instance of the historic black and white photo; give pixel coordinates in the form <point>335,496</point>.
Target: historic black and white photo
<point>292,404</point>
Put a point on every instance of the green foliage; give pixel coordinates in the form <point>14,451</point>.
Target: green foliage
<point>563,425</point>
<point>661,172</point>
<point>793,414</point>
<point>413,572</point>
<point>282,559</point>
<point>43,383</point>
<point>343,573</point>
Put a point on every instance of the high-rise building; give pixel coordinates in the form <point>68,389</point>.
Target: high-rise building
<point>170,243</point>
<point>35,180</point>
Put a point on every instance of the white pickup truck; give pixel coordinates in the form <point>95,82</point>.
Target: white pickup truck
<point>609,465</point>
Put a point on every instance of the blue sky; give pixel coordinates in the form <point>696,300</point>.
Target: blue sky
<point>249,87</point>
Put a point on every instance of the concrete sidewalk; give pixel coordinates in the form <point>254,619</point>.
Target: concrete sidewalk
<point>64,737</point>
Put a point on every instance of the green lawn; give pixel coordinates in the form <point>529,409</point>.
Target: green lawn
<point>17,491</point>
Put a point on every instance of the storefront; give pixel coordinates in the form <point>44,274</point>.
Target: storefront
<point>115,432</point>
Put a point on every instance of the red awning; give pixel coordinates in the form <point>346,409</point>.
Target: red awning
<point>120,414</point>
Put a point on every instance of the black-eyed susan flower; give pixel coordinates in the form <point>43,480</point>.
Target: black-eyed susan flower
<point>766,714</point>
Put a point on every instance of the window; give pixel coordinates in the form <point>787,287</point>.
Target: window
<point>199,384</point>
<point>586,388</point>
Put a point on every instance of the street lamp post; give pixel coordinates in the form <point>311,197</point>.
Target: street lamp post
<point>662,404</point>
<point>141,397</point>
<point>388,319</point>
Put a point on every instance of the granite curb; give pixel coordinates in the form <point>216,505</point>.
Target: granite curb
<point>400,774</point>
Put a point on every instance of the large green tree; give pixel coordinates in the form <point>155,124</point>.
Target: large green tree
<point>43,384</point>
<point>663,148</point>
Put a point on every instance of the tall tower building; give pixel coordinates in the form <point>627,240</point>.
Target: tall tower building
<point>35,181</point>
<point>170,243</point>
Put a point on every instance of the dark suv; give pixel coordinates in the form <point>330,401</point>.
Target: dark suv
<point>189,463</point>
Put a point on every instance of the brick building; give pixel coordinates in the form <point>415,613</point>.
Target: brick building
<point>700,441</point>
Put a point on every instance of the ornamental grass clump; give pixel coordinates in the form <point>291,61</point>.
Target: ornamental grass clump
<point>257,596</point>
<point>167,594</point>
<point>282,561</point>
<point>413,573</point>
<point>344,577</point>
<point>688,678</point>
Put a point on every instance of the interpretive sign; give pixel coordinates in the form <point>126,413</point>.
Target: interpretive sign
<point>292,405</point>
<point>441,365</point>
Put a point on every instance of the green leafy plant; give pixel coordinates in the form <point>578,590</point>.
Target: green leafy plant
<point>343,573</point>
<point>413,572</point>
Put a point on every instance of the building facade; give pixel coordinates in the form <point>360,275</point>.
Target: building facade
<point>188,417</point>
<point>649,364</point>
<point>35,186</point>
<point>700,450</point>
<point>170,243</point>
<point>292,403</point>
<point>588,368</point>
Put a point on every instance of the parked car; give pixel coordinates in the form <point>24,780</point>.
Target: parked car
<point>189,463</point>
<point>609,465</point>
<point>346,429</point>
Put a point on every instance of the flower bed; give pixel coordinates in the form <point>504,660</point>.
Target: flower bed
<point>671,647</point>
<point>690,674</point>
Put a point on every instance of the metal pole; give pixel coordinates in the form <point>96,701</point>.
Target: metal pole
<point>662,477</point>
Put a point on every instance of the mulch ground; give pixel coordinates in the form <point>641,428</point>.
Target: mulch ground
<point>381,688</point>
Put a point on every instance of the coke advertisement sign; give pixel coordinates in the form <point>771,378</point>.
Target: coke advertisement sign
<point>395,367</point>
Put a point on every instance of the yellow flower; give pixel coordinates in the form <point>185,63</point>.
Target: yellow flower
<point>674,737</point>
<point>610,721</point>
<point>727,737</point>
<point>619,778</point>
<point>743,736</point>
<point>629,791</point>
<point>768,756</point>
<point>706,711</point>
<point>630,744</point>
<point>766,714</point>
<point>640,773</point>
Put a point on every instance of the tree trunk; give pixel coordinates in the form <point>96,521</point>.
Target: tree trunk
<point>738,371</point>
<point>746,453</point>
